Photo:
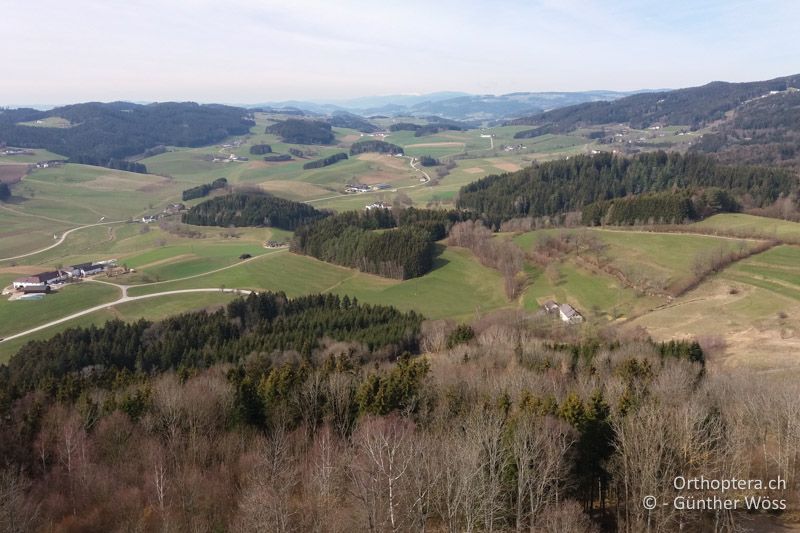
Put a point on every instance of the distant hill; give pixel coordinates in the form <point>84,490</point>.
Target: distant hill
<point>343,119</point>
<point>755,122</point>
<point>763,131</point>
<point>695,106</point>
<point>106,133</point>
<point>453,105</point>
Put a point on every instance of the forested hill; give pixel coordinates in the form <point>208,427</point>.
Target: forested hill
<point>298,131</point>
<point>263,323</point>
<point>342,119</point>
<point>252,209</point>
<point>568,185</point>
<point>97,133</point>
<point>763,131</point>
<point>695,106</point>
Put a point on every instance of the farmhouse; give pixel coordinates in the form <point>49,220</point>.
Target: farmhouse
<point>355,188</point>
<point>45,278</point>
<point>569,315</point>
<point>86,269</point>
<point>565,312</point>
<point>550,307</point>
<point>377,205</point>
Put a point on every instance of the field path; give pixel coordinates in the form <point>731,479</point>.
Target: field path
<point>61,240</point>
<point>121,300</point>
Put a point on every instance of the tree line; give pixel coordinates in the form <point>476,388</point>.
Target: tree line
<point>381,147</point>
<point>260,149</point>
<point>202,190</point>
<point>5,192</point>
<point>569,185</point>
<point>671,207</point>
<point>325,161</point>
<point>251,209</point>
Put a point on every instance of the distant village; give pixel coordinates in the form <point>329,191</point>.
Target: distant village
<point>355,188</point>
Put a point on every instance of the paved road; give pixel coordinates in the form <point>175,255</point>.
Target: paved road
<point>61,240</point>
<point>121,300</point>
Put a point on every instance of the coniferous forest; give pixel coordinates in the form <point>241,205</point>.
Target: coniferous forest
<point>379,241</point>
<point>298,131</point>
<point>325,161</point>
<point>202,190</point>
<point>381,147</point>
<point>571,184</point>
<point>251,209</point>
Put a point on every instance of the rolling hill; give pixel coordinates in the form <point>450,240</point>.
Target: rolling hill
<point>102,133</point>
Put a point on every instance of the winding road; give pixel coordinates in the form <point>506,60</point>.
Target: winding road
<point>61,240</point>
<point>121,300</point>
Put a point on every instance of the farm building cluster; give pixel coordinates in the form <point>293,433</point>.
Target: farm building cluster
<point>171,209</point>
<point>353,188</point>
<point>565,312</point>
<point>44,282</point>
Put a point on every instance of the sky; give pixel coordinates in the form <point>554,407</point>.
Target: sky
<point>254,51</point>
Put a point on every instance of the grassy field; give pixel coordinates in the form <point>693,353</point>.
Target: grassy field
<point>744,224</point>
<point>458,286</point>
<point>598,296</point>
<point>18,316</point>
<point>155,308</point>
<point>661,258</point>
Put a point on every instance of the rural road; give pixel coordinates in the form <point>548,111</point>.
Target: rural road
<point>121,300</point>
<point>61,240</point>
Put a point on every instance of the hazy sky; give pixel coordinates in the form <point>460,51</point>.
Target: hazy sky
<point>247,51</point>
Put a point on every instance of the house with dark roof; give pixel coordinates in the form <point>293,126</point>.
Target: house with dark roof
<point>45,278</point>
<point>568,314</point>
<point>86,269</point>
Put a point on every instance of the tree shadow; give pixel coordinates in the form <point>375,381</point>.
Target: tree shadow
<point>438,260</point>
<point>15,200</point>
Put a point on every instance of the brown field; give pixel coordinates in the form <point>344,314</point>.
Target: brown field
<point>746,323</point>
<point>12,173</point>
<point>351,138</point>
<point>474,170</point>
<point>508,167</point>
